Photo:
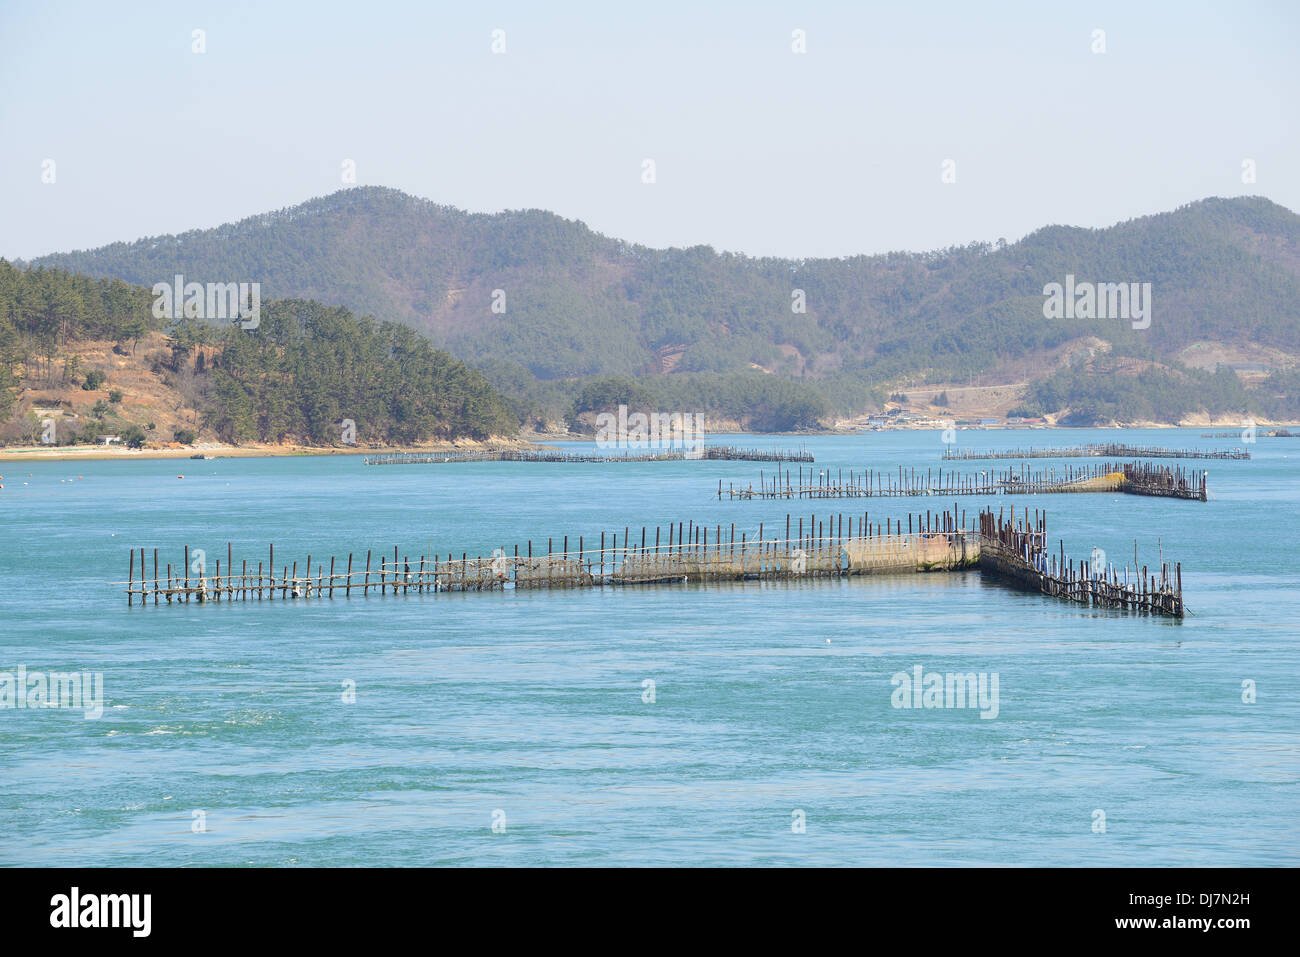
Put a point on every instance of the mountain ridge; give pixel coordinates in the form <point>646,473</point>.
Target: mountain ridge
<point>575,304</point>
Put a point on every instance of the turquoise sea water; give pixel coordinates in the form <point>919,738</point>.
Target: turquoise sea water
<point>527,708</point>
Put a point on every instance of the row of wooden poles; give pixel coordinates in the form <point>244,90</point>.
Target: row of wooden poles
<point>1016,551</point>
<point>1112,450</point>
<point>1008,549</point>
<point>1162,481</point>
<point>1135,478</point>
<point>713,552</point>
<point>715,452</point>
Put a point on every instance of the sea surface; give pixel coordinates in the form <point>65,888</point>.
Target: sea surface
<point>518,728</point>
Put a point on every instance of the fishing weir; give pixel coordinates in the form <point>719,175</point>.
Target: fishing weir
<point>1134,479</point>
<point>1016,553</point>
<point>1112,451</point>
<point>709,452</point>
<point>822,547</point>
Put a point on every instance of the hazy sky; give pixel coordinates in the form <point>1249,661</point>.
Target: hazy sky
<point>835,151</point>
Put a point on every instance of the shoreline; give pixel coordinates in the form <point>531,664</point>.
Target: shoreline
<point>39,453</point>
<point>200,452</point>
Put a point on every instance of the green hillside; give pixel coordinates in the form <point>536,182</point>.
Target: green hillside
<point>295,378</point>
<point>706,327</point>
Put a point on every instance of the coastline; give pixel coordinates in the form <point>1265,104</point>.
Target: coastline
<point>216,450</point>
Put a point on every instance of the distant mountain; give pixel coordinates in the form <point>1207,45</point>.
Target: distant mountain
<point>1224,275</point>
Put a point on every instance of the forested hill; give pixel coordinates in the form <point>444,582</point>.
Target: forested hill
<point>1225,277</point>
<point>91,357</point>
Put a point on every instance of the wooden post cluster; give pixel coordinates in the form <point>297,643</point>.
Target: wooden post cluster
<point>1112,450</point>
<point>1016,552</point>
<point>1134,478</point>
<point>681,551</point>
<point>1012,549</point>
<point>715,452</point>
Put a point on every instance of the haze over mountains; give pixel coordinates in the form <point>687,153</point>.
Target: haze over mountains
<point>695,326</point>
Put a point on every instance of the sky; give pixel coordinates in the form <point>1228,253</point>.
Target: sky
<point>900,126</point>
